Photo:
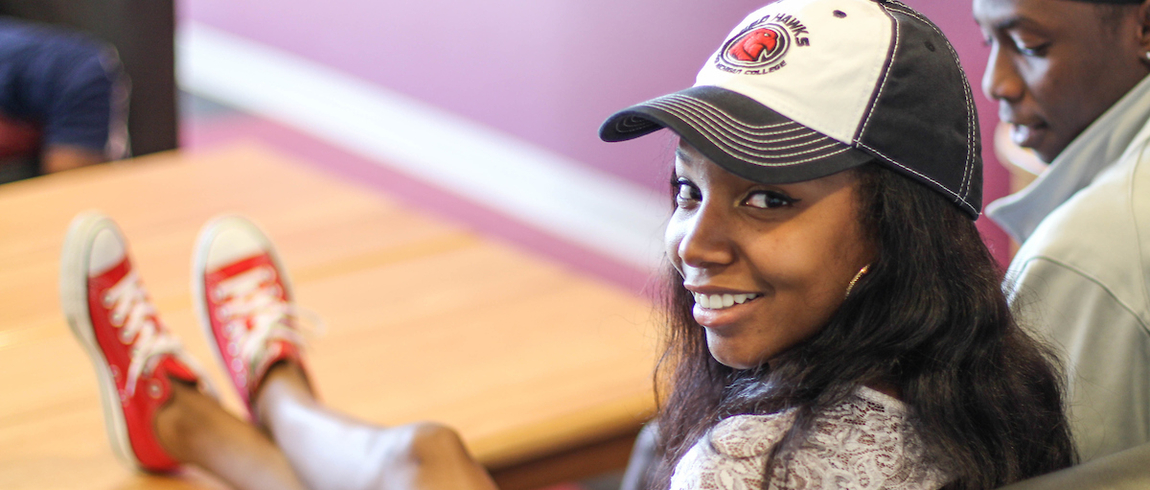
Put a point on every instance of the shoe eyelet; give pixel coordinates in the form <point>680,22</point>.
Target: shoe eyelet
<point>237,365</point>
<point>155,390</point>
<point>117,319</point>
<point>107,300</point>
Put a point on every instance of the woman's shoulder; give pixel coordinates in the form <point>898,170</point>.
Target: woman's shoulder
<point>865,442</point>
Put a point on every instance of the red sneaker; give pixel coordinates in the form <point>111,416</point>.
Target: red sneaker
<point>135,356</point>
<point>244,300</point>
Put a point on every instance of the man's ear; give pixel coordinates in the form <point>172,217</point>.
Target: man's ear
<point>1144,24</point>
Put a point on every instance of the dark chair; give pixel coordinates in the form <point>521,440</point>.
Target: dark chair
<point>1125,470</point>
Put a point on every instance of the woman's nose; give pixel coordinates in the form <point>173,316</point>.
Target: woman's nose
<point>704,238</point>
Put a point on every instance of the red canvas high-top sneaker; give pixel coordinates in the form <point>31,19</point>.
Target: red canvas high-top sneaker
<point>243,297</point>
<point>135,357</point>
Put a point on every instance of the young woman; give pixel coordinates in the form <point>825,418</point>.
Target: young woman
<point>834,320</point>
<point>917,352</point>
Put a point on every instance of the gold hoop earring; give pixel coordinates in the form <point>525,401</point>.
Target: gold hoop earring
<point>858,276</point>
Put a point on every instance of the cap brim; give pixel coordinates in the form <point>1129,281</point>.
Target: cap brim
<point>738,133</point>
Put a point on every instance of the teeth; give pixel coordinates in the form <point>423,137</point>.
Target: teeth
<point>720,301</point>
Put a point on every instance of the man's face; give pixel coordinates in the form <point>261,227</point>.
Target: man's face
<point>1056,65</point>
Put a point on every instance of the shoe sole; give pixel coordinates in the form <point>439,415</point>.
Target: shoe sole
<point>200,266</point>
<point>74,302</point>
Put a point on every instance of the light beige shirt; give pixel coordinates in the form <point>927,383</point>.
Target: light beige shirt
<point>1081,276</point>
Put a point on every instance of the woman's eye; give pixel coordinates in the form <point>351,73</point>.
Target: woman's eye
<point>686,192</point>
<point>769,200</point>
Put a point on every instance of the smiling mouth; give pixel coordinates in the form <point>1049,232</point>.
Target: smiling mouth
<point>721,301</point>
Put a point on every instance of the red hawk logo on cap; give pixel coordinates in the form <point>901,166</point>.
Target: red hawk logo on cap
<point>758,49</point>
<point>754,45</point>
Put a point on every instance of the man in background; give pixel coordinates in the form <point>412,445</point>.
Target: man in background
<point>1070,79</point>
<point>63,101</point>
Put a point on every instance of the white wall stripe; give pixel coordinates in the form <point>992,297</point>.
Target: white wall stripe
<point>540,188</point>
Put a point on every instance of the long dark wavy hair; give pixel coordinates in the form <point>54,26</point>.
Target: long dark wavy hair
<point>929,320</point>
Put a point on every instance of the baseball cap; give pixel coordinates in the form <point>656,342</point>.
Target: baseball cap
<point>801,89</point>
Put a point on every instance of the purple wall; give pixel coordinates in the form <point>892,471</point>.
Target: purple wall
<point>546,71</point>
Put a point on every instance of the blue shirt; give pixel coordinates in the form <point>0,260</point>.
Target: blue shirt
<point>62,81</point>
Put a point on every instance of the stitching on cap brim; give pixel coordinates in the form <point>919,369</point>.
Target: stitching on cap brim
<point>772,144</point>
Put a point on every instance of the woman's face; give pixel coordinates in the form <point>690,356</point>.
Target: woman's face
<point>772,261</point>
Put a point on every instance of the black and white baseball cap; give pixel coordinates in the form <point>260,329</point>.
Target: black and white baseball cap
<point>801,89</point>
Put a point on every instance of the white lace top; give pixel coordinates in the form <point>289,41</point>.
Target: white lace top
<point>865,443</point>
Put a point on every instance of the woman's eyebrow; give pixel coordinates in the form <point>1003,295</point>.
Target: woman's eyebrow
<point>683,156</point>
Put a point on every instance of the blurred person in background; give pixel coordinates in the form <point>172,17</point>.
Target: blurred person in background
<point>63,101</point>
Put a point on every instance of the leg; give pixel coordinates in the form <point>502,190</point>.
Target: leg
<point>195,429</point>
<point>156,411</point>
<point>245,304</point>
<point>331,450</point>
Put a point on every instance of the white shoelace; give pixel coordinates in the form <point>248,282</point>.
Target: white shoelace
<point>132,311</point>
<point>252,298</point>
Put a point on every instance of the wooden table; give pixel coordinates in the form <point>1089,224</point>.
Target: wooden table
<point>545,372</point>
